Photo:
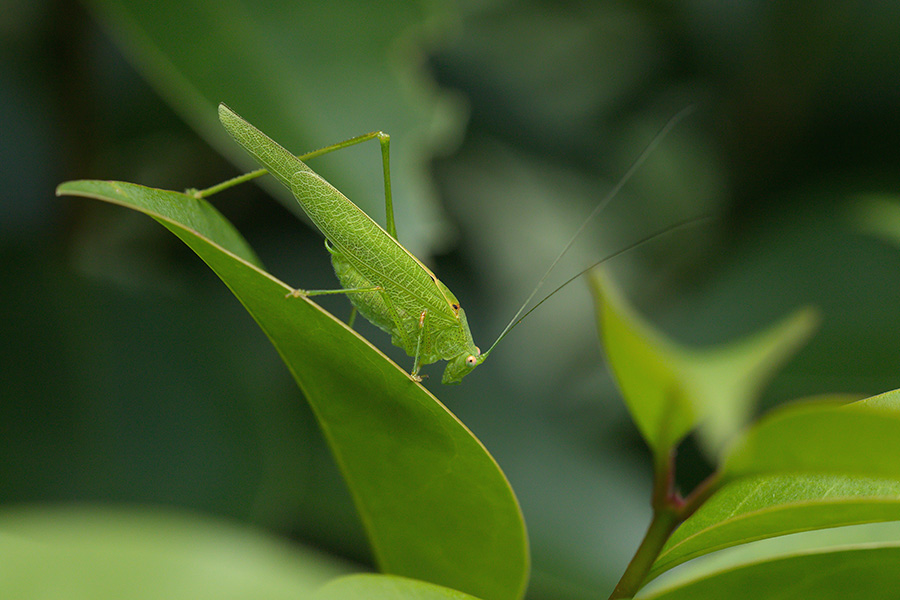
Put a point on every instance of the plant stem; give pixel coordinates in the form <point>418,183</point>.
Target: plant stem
<point>669,511</point>
<point>666,504</point>
<point>661,527</point>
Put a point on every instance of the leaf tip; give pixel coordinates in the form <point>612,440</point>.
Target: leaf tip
<point>64,189</point>
<point>226,114</point>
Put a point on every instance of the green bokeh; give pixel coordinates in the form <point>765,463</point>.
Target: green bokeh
<point>130,374</point>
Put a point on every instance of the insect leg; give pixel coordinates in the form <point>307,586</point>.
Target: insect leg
<point>353,311</point>
<point>383,138</point>
<point>416,365</point>
<point>298,293</point>
<point>385,141</point>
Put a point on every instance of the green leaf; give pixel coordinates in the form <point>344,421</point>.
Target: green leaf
<point>670,389</point>
<point>843,563</point>
<point>762,507</point>
<point>862,438</point>
<point>434,503</point>
<point>316,73</point>
<point>803,467</point>
<point>169,208</point>
<point>385,587</point>
<point>108,553</point>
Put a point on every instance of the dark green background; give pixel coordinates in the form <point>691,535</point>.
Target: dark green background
<point>129,373</point>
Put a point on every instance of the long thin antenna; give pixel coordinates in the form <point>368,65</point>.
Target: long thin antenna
<point>597,210</point>
<point>620,251</point>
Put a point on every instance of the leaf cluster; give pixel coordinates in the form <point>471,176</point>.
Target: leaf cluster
<point>798,489</point>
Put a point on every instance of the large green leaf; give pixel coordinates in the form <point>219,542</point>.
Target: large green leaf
<point>385,587</point>
<point>433,501</point>
<point>670,389</point>
<point>862,438</point>
<point>316,73</point>
<point>95,553</point>
<point>761,507</point>
<point>843,563</point>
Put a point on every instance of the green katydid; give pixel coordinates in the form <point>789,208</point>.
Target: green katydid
<point>382,279</point>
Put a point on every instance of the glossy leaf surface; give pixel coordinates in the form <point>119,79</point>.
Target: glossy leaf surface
<point>804,467</point>
<point>757,508</point>
<point>856,562</point>
<point>433,501</point>
<point>861,438</point>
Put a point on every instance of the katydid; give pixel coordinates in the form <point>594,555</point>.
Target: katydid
<point>383,280</point>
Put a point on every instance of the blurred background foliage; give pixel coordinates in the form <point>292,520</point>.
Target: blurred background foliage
<point>131,375</point>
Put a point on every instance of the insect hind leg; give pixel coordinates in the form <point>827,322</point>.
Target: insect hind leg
<point>417,360</point>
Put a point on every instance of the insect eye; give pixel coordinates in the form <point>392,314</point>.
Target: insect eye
<point>470,360</point>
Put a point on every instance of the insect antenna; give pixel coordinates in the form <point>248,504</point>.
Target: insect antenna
<point>644,240</point>
<point>517,318</point>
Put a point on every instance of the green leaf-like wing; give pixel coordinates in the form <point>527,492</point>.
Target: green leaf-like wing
<point>434,503</point>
